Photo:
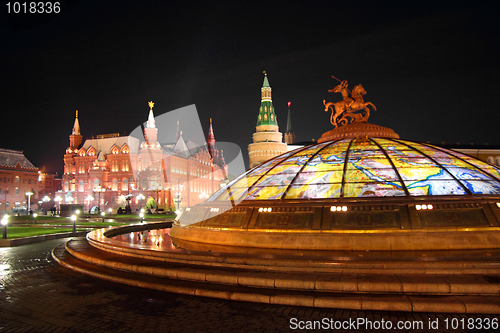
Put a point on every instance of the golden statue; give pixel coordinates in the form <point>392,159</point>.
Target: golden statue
<point>151,104</point>
<point>346,111</point>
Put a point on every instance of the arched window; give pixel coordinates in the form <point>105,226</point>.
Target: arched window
<point>17,179</point>
<point>497,160</point>
<point>96,183</point>
<point>81,186</point>
<point>115,185</point>
<point>66,186</point>
<point>144,183</point>
<point>491,160</point>
<point>125,184</point>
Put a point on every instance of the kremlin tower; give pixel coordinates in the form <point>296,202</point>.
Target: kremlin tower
<point>267,140</point>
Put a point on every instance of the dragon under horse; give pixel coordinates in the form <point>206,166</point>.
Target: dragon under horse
<point>352,108</point>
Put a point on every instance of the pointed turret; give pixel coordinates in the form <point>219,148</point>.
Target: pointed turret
<point>289,134</point>
<point>151,116</point>
<point>150,131</point>
<point>75,139</point>
<point>267,140</point>
<point>76,126</point>
<point>266,117</point>
<point>178,132</point>
<point>211,140</point>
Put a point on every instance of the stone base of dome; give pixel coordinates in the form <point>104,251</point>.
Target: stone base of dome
<point>352,226</point>
<point>340,240</point>
<point>358,130</point>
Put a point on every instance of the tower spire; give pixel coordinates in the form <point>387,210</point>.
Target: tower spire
<point>151,117</point>
<point>289,134</point>
<point>211,140</point>
<point>76,126</point>
<point>178,132</point>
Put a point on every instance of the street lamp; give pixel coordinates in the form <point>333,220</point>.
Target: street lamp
<point>45,199</point>
<point>102,214</point>
<point>34,216</point>
<point>5,220</point>
<point>140,197</point>
<point>141,215</point>
<point>98,189</point>
<point>178,197</point>
<point>73,218</point>
<point>58,199</point>
<point>29,194</point>
<point>89,199</point>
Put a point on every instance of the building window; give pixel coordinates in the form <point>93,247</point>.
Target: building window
<point>497,160</point>
<point>81,187</point>
<point>144,183</point>
<point>125,184</point>
<point>17,190</point>
<point>17,179</point>
<point>66,186</point>
<point>491,160</point>
<point>115,185</point>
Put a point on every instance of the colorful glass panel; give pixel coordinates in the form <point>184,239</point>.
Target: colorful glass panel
<point>314,191</point>
<point>434,187</point>
<point>386,189</point>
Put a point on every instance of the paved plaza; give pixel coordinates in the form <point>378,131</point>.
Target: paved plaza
<point>38,295</point>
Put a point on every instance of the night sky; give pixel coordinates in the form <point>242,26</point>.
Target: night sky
<point>431,68</point>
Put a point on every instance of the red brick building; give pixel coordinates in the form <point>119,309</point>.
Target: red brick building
<point>104,171</point>
<point>18,177</point>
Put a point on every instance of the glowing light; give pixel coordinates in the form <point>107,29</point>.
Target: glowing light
<point>35,215</point>
<point>430,206</point>
<point>344,208</point>
<point>261,209</point>
<point>418,207</point>
<point>424,206</point>
<point>103,213</point>
<point>77,211</point>
<point>73,217</point>
<point>498,204</point>
<point>289,104</point>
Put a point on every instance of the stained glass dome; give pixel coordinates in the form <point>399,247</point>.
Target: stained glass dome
<point>364,168</point>
<point>359,188</point>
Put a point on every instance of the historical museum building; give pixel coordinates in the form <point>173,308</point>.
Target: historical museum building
<point>22,184</point>
<point>106,171</point>
<point>267,140</point>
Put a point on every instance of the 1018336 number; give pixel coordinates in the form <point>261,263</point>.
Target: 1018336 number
<point>33,7</point>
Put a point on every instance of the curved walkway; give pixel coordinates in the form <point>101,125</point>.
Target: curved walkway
<point>38,295</point>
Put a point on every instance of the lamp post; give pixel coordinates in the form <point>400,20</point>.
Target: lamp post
<point>58,199</point>
<point>73,218</point>
<point>5,220</point>
<point>45,200</point>
<point>140,197</point>
<point>98,189</point>
<point>29,194</point>
<point>34,216</point>
<point>102,214</point>
<point>178,197</point>
<point>89,200</point>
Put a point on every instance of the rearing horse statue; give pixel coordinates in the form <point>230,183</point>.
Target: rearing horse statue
<point>349,105</point>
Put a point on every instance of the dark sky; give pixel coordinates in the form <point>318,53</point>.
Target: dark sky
<point>431,67</point>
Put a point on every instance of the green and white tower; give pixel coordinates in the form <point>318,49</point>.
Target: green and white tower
<point>267,140</point>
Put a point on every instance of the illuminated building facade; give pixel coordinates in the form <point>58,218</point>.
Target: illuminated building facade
<point>19,176</point>
<point>104,171</point>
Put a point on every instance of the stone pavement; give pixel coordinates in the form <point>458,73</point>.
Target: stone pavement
<point>38,295</point>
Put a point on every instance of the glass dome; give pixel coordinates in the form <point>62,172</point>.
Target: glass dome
<point>364,168</point>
